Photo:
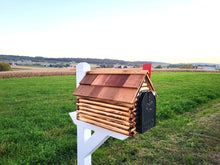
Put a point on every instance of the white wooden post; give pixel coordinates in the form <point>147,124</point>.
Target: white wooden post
<point>83,134</point>
<point>87,143</point>
<point>81,70</point>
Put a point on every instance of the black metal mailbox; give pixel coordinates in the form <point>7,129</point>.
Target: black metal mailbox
<point>146,111</point>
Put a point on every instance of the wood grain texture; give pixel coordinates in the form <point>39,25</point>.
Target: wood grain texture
<point>117,116</point>
<point>117,80</point>
<point>125,95</point>
<point>83,90</point>
<point>89,116</point>
<point>88,79</point>
<point>101,80</point>
<point>106,103</point>
<point>107,118</point>
<point>150,84</point>
<point>119,86</point>
<point>144,89</point>
<point>110,80</point>
<point>105,126</point>
<point>109,93</point>
<point>108,99</point>
<point>105,109</point>
<point>143,72</point>
<point>133,81</point>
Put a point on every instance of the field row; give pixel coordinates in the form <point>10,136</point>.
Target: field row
<point>19,72</point>
<point>186,70</point>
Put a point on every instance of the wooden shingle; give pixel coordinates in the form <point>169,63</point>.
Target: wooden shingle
<point>108,99</point>
<point>121,86</point>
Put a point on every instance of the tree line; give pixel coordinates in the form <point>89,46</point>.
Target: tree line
<point>73,60</point>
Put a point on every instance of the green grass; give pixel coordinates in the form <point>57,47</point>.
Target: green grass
<point>183,92</point>
<point>36,127</point>
<point>34,121</point>
<point>192,138</point>
<point>37,66</point>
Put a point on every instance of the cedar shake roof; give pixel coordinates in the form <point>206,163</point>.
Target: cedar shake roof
<point>120,86</point>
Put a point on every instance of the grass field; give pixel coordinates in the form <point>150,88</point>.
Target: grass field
<point>36,127</point>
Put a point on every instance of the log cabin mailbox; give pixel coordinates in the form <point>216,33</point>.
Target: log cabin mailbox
<point>121,101</point>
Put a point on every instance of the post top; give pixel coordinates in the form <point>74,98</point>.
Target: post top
<point>82,67</point>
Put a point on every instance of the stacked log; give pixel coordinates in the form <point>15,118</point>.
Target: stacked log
<point>118,117</point>
<point>108,99</point>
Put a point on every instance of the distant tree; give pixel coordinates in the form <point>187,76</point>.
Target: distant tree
<point>125,66</point>
<point>188,66</point>
<point>102,65</point>
<point>158,67</point>
<point>109,66</point>
<point>4,66</point>
<point>138,66</point>
<point>67,65</point>
<point>119,66</point>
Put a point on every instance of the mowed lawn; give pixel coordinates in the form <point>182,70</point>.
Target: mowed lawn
<point>35,126</point>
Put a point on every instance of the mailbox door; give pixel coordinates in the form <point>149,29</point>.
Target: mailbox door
<point>146,112</point>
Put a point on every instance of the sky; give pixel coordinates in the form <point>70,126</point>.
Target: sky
<point>173,31</point>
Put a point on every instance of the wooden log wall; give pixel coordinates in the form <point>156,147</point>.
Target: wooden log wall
<point>110,114</point>
<point>107,114</point>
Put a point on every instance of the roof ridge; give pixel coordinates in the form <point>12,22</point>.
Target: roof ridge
<point>144,72</point>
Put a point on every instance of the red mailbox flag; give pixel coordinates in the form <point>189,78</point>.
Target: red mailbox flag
<point>147,67</point>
